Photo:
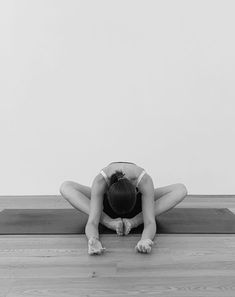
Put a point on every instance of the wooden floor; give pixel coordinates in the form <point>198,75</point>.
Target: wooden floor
<point>179,264</point>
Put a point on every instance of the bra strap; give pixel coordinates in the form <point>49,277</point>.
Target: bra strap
<point>140,177</point>
<point>105,176</point>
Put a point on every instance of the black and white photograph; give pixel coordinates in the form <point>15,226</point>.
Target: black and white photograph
<point>117,125</point>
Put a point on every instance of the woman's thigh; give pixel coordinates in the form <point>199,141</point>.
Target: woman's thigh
<point>158,192</point>
<point>81,188</point>
<point>161,191</point>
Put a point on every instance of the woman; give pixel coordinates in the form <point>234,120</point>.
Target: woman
<point>122,197</point>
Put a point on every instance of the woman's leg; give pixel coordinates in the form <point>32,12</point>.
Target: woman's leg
<point>165,199</point>
<point>79,197</point>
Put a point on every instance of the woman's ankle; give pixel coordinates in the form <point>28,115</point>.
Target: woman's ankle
<point>137,220</point>
<point>105,220</point>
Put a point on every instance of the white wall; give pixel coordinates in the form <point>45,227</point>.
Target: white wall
<point>85,83</point>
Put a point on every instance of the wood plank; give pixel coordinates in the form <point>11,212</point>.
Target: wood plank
<point>58,265</point>
<point>121,286</point>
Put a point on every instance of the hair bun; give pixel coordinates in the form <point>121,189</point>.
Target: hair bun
<point>122,177</point>
<point>119,175</point>
<point>115,177</point>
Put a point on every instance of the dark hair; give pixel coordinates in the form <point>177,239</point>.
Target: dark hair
<point>121,193</point>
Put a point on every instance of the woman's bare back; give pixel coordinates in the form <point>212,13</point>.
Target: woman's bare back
<point>131,170</point>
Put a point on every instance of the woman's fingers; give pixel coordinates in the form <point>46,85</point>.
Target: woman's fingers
<point>138,248</point>
<point>95,247</point>
<point>96,251</point>
<point>91,250</point>
<point>144,246</point>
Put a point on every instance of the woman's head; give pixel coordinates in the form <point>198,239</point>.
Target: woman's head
<point>121,193</point>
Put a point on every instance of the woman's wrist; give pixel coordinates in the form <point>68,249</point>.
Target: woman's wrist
<point>92,238</point>
<point>148,240</point>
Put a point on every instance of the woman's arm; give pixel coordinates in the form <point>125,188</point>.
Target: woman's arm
<point>96,207</point>
<point>149,231</point>
<point>91,230</point>
<point>146,187</point>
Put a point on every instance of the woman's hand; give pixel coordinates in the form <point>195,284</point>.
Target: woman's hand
<point>95,247</point>
<point>144,246</point>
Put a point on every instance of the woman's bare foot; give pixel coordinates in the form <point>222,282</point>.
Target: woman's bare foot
<point>116,225</point>
<point>127,225</point>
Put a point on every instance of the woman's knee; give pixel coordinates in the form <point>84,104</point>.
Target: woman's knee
<point>65,186</point>
<point>181,189</point>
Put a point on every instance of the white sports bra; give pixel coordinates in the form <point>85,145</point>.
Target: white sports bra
<point>138,180</point>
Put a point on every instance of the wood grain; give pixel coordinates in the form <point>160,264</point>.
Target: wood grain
<point>58,265</point>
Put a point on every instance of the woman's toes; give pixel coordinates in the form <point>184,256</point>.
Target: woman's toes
<point>127,226</point>
<point>119,228</point>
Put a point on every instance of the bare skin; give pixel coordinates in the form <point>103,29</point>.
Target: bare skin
<point>165,198</point>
